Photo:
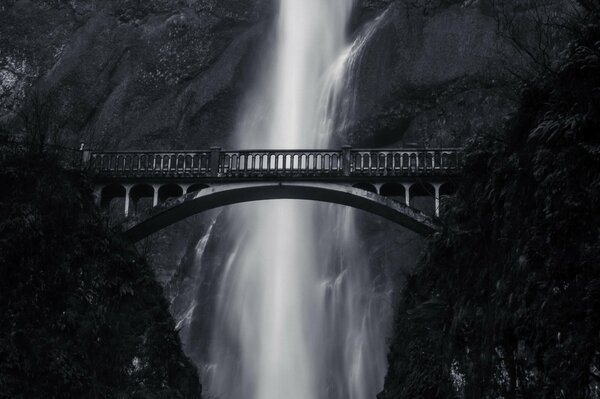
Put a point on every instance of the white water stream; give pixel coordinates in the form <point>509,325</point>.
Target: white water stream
<point>298,314</point>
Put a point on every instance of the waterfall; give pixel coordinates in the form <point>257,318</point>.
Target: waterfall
<point>298,312</point>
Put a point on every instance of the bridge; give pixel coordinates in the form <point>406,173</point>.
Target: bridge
<point>177,184</point>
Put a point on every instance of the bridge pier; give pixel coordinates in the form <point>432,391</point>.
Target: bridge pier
<point>185,187</point>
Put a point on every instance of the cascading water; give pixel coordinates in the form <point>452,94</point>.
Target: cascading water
<point>298,313</point>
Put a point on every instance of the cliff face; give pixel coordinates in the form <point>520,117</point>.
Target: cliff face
<point>503,304</point>
<point>434,72</point>
<point>127,74</point>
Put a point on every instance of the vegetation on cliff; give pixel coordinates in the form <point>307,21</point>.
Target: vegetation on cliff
<point>81,316</point>
<point>505,303</point>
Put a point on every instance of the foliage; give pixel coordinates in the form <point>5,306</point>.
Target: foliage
<point>81,315</point>
<point>505,303</point>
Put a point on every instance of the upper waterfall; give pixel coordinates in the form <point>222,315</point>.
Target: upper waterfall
<point>285,109</point>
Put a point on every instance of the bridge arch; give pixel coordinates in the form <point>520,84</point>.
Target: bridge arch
<point>423,196</point>
<point>392,190</point>
<point>447,188</point>
<point>216,196</point>
<point>141,197</point>
<point>111,192</point>
<point>168,191</point>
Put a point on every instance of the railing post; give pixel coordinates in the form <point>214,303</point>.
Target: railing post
<point>215,154</point>
<point>346,159</point>
<point>85,155</point>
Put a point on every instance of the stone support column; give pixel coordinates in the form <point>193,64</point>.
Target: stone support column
<point>407,187</point>
<point>436,187</point>
<point>127,199</point>
<point>155,187</point>
<point>98,195</point>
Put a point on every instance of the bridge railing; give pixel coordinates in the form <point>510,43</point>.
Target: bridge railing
<point>403,161</point>
<point>146,163</point>
<point>275,163</point>
<point>279,163</point>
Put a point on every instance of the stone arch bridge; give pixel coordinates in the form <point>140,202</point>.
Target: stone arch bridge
<point>174,185</point>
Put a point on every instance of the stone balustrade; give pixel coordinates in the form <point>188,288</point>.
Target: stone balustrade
<point>219,164</point>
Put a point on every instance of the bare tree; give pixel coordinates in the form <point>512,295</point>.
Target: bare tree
<point>592,6</point>
<point>39,122</point>
<point>538,30</point>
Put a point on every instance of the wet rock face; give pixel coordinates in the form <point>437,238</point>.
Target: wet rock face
<point>434,72</point>
<point>132,74</point>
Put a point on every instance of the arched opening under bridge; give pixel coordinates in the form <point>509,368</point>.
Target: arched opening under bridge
<point>142,198</point>
<point>113,197</point>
